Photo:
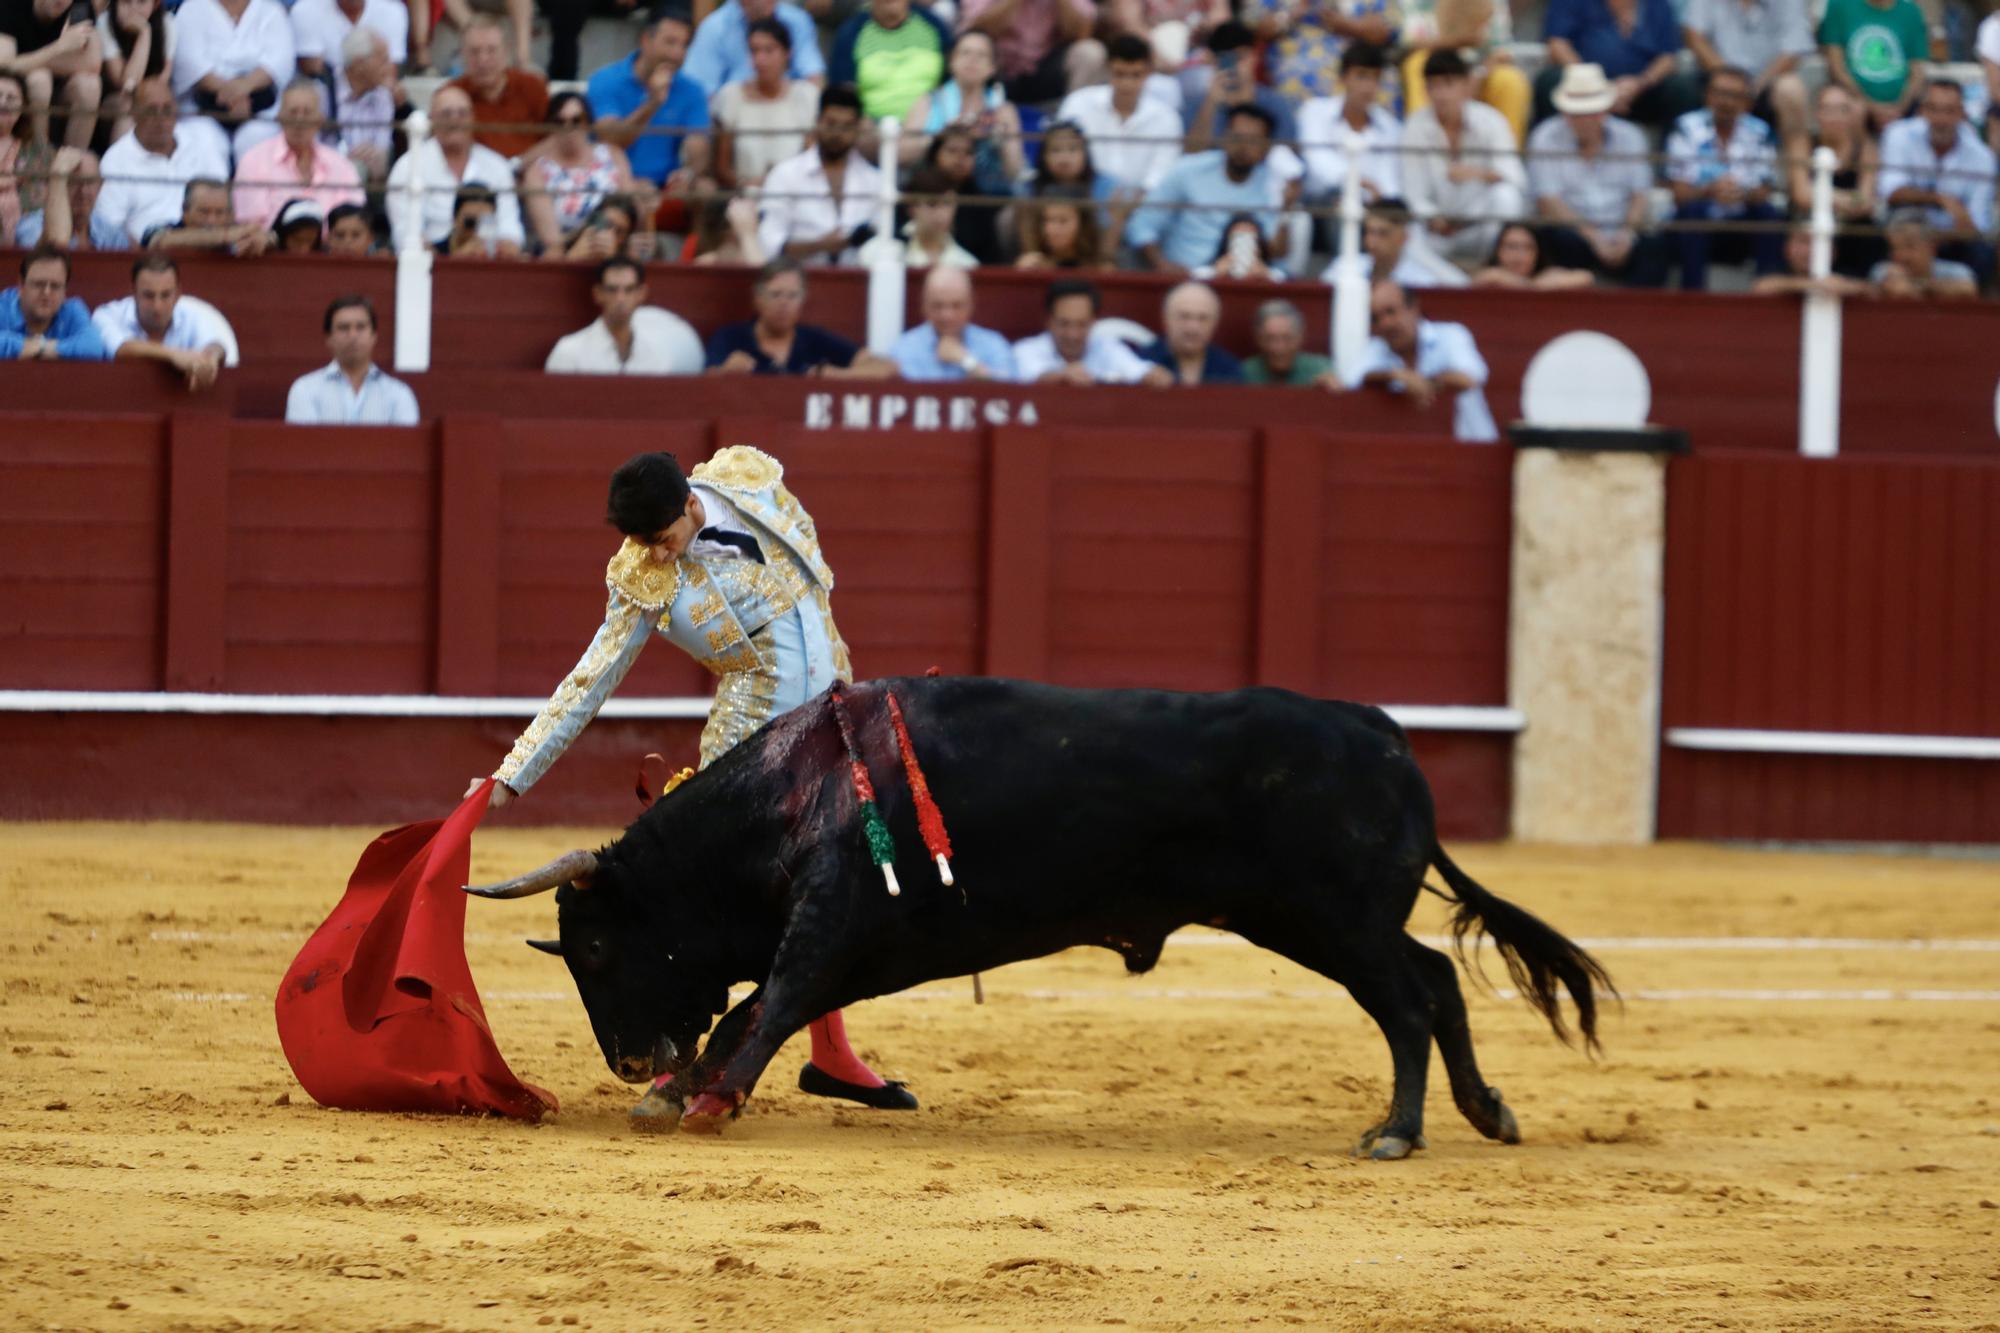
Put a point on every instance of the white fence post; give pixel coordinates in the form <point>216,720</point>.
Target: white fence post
<point>1819,327</point>
<point>1350,288</point>
<point>886,273</point>
<point>413,261</point>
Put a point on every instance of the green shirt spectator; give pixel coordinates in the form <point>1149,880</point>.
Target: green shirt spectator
<point>1279,328</point>
<point>1306,369</point>
<point>890,60</point>
<point>1876,48</point>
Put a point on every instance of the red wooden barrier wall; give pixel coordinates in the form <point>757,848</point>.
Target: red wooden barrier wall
<point>1725,368</point>
<point>466,558</point>
<point>1841,596</point>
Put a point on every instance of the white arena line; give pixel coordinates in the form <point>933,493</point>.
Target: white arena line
<point>1750,995</point>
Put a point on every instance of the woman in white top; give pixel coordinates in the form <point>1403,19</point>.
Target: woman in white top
<point>762,120</point>
<point>137,38</point>
<point>569,174</point>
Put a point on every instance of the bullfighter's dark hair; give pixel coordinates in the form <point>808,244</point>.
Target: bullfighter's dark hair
<point>352,301</point>
<point>648,494</point>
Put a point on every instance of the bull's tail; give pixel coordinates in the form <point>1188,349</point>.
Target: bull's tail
<point>1538,955</point>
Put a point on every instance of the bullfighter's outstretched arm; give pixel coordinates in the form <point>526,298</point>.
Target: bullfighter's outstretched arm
<point>582,692</point>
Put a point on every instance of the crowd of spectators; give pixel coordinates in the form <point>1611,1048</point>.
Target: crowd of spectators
<point>1197,139</point>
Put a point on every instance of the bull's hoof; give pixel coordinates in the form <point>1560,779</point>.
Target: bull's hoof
<point>657,1112</point>
<point>1388,1147</point>
<point>1509,1130</point>
<point>707,1114</point>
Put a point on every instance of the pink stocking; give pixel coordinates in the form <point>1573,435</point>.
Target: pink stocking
<point>832,1055</point>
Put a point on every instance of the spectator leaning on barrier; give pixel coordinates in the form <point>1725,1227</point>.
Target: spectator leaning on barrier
<point>367,102</point>
<point>1045,48</point>
<point>1070,350</point>
<point>1587,172</point>
<point>1420,357</point>
<point>40,320</point>
<point>648,105</point>
<point>892,52</point>
<point>1935,161</point>
<point>231,58</point>
<point>762,120</point>
<point>777,343</point>
<point>1913,270</point>
<point>1325,122</point>
<point>1765,38</point>
<point>628,337</point>
<point>1635,43</point>
<point>1281,336</point>
<point>1181,223</point>
<point>819,207</point>
<point>147,172</point>
<point>55,52</point>
<point>1722,166</point>
<point>350,390</point>
<point>501,94</point>
<point>720,52</point>
<point>1462,172</point>
<point>948,345</point>
<point>1186,347</point>
<point>319,27</point>
<point>1875,49</point>
<point>449,161</point>
<point>295,165</point>
<point>208,222</point>
<point>1134,139</point>
<point>155,323</point>
<point>75,180</point>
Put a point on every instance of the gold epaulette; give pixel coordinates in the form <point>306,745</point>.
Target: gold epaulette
<point>740,467</point>
<point>634,574</point>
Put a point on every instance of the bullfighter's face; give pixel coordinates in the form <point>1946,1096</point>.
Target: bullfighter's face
<point>646,1008</point>
<point>668,544</point>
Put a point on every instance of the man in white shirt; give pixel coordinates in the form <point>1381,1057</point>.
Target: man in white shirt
<point>154,324</point>
<point>1935,161</point>
<point>320,26</point>
<point>1071,351</point>
<point>629,337</point>
<point>1324,123</point>
<point>146,173</point>
<point>447,160</point>
<point>1462,172</point>
<point>1421,358</point>
<point>231,58</point>
<point>818,206</point>
<point>1134,139</point>
<point>364,102</point>
<point>1390,251</point>
<point>350,390</point>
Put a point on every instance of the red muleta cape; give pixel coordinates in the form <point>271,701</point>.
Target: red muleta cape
<point>378,1011</point>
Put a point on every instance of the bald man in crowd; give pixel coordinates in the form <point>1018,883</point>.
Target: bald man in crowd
<point>948,345</point>
<point>1187,346</point>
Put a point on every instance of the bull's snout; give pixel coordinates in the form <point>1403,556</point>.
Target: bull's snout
<point>664,1058</point>
<point>634,1069</point>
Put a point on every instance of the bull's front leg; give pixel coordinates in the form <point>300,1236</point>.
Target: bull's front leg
<point>666,1101</point>
<point>727,1079</point>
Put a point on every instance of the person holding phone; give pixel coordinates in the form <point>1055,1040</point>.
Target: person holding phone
<point>52,47</point>
<point>819,207</point>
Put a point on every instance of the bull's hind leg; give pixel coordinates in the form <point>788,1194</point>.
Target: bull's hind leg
<point>1478,1102</point>
<point>1384,982</point>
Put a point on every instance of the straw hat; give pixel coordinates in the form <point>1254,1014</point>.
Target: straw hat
<point>1584,90</point>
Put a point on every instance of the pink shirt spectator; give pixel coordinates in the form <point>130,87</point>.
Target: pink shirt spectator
<point>267,178</point>
<point>1031,35</point>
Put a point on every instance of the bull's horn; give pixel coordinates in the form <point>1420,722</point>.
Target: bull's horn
<point>568,868</point>
<point>546,946</point>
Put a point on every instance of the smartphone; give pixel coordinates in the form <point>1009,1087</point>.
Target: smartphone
<point>81,12</point>
<point>861,235</point>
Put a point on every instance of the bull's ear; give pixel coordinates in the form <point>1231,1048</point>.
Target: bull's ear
<point>546,946</point>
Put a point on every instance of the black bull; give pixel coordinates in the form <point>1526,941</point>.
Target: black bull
<point>1078,817</point>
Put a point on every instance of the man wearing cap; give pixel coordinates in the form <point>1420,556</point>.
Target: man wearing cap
<point>724,563</point>
<point>1588,177</point>
<point>350,390</point>
<point>295,165</point>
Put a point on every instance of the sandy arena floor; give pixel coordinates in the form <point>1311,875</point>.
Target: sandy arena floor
<point>1777,1137</point>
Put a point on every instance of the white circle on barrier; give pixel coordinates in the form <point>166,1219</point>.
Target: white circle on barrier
<point>1587,379</point>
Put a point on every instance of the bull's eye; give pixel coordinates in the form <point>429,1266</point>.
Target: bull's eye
<point>594,951</point>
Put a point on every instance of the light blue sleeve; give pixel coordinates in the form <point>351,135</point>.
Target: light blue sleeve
<point>1377,356</point>
<point>1980,206</point>
<point>404,413</point>
<point>997,356</point>
<point>1460,353</point>
<point>1149,222</point>
<point>807,62</point>
<point>299,407</point>
<point>582,692</point>
<point>704,63</point>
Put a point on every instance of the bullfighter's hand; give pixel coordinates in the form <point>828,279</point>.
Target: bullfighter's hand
<point>502,797</point>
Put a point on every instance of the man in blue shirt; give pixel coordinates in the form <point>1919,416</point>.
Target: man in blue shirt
<point>1188,350</point>
<point>1181,224</point>
<point>948,345</point>
<point>1421,358</point>
<point>647,105</point>
<point>1635,42</point>
<point>721,50</point>
<point>40,319</point>
<point>350,390</point>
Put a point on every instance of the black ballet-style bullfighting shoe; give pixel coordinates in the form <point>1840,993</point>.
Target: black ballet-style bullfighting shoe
<point>891,1096</point>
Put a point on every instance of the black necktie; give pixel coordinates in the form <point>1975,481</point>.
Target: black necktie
<point>740,540</point>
